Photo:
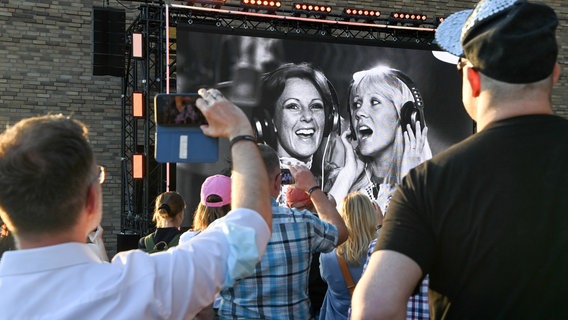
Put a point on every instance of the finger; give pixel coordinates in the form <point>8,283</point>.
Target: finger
<point>418,127</point>
<point>210,95</point>
<point>406,138</point>
<point>409,131</point>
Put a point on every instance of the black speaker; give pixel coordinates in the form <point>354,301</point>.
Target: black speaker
<point>127,241</point>
<point>108,41</point>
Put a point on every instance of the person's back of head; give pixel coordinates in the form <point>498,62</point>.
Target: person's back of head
<point>510,41</point>
<point>46,165</point>
<point>270,158</point>
<point>215,201</point>
<point>168,209</point>
<point>358,212</point>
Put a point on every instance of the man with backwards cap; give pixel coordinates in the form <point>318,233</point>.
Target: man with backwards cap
<point>487,218</point>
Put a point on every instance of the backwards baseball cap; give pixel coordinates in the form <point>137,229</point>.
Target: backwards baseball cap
<point>296,198</point>
<point>218,185</point>
<point>511,41</point>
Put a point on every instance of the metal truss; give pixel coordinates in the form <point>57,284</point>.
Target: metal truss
<point>149,75</point>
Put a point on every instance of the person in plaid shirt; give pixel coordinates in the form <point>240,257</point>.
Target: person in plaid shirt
<point>278,288</point>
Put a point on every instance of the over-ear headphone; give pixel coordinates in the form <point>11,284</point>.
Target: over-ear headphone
<point>266,131</point>
<point>410,112</point>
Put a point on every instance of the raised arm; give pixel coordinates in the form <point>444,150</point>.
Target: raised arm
<point>384,289</point>
<point>249,188</point>
<point>324,206</point>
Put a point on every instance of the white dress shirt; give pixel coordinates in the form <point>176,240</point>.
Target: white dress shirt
<point>69,281</point>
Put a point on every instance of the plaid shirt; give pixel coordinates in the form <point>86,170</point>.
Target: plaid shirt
<point>417,307</point>
<point>278,289</point>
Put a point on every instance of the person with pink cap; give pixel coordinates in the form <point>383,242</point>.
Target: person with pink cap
<point>215,203</point>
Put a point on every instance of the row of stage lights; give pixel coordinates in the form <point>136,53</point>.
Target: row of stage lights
<point>320,11</point>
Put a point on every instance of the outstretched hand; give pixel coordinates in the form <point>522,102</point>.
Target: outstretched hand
<point>224,118</point>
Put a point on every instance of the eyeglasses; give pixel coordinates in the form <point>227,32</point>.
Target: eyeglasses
<point>101,176</point>
<point>462,63</point>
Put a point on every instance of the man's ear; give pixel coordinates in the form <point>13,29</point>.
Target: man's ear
<point>276,185</point>
<point>474,82</point>
<point>92,202</point>
<point>556,73</point>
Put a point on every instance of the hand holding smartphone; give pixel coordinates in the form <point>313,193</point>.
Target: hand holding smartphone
<point>178,110</point>
<point>179,137</point>
<point>287,177</point>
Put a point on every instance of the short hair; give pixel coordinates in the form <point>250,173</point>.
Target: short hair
<point>168,206</point>
<point>270,158</point>
<point>46,165</point>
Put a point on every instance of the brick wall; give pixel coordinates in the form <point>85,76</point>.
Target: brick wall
<point>45,66</point>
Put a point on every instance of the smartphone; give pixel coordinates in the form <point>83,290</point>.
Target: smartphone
<point>287,177</point>
<point>177,110</point>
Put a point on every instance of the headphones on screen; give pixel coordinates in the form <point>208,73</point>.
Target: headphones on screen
<point>263,123</point>
<point>410,112</point>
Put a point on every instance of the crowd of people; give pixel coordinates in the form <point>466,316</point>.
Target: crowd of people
<point>474,232</point>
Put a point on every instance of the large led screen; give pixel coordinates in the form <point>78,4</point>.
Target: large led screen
<point>342,109</point>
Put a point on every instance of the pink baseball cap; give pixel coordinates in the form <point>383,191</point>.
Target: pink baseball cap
<point>218,185</point>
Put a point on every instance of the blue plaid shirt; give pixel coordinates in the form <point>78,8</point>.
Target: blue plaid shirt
<point>417,307</point>
<point>278,289</point>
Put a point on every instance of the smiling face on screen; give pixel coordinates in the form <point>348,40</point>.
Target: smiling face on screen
<point>299,118</point>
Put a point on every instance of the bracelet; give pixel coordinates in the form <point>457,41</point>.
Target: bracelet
<point>245,137</point>
<point>312,189</point>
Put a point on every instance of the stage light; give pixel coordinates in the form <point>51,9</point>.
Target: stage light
<point>138,104</point>
<point>438,20</point>
<point>319,11</point>
<point>404,18</point>
<point>270,6</point>
<point>361,14</point>
<point>137,42</point>
<point>138,166</point>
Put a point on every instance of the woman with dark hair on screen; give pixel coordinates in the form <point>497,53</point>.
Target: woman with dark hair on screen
<point>296,112</point>
<point>381,145</point>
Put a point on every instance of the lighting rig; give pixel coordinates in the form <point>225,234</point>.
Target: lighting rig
<point>151,67</point>
<point>366,15</point>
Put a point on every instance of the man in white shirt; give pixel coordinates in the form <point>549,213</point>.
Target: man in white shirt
<point>51,198</point>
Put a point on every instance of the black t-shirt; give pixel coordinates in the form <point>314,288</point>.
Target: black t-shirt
<point>161,234</point>
<point>488,220</point>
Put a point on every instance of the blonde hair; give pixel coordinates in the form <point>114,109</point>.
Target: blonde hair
<point>359,215</point>
<point>169,206</point>
<point>389,84</point>
<point>204,215</point>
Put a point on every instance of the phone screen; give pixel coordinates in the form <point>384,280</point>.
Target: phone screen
<point>287,177</point>
<point>177,110</point>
